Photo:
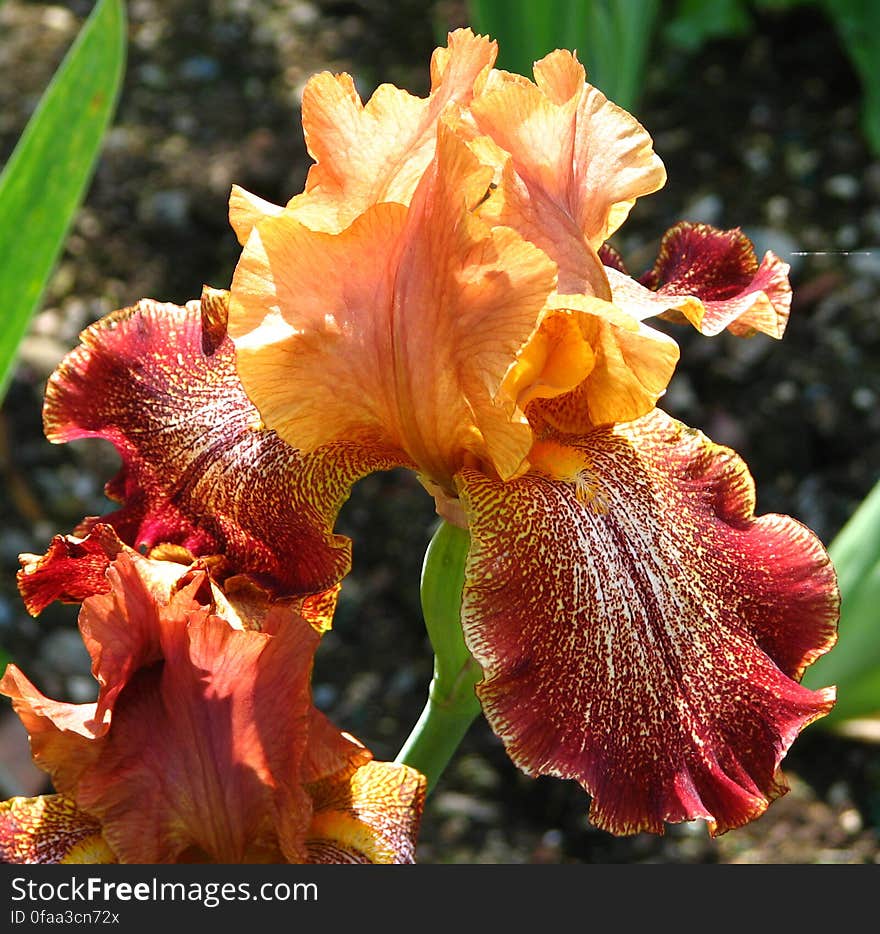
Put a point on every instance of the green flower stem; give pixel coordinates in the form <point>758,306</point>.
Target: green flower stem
<point>452,702</point>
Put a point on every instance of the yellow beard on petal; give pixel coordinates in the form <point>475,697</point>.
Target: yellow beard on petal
<point>570,465</point>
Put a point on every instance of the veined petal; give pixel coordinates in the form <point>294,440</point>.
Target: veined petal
<point>196,744</point>
<point>60,734</point>
<point>373,817</point>
<point>228,796</point>
<point>397,332</point>
<point>711,278</point>
<point>373,153</point>
<point>204,740</point>
<point>199,470</point>
<point>50,829</point>
<point>640,630</point>
<point>577,163</point>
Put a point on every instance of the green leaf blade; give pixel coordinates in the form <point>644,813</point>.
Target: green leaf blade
<point>46,178</point>
<point>854,663</point>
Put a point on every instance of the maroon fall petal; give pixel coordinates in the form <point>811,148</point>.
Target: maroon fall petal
<point>198,468</point>
<point>640,630</point>
<point>711,278</point>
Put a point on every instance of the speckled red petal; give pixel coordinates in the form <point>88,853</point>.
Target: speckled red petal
<point>198,468</point>
<point>49,829</point>
<point>640,630</point>
<point>711,278</point>
<point>72,569</point>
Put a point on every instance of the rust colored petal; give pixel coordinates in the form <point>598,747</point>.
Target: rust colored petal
<point>204,738</point>
<point>123,628</point>
<point>122,631</point>
<point>577,164</point>
<point>640,630</point>
<point>72,569</point>
<point>199,470</point>
<point>50,829</point>
<point>205,749</point>
<point>371,817</point>
<point>711,278</point>
<point>62,736</point>
<point>196,744</point>
<point>330,752</point>
<point>397,332</point>
<point>366,154</point>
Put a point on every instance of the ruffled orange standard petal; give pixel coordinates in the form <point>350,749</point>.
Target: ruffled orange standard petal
<point>639,630</point>
<point>50,829</point>
<point>199,470</point>
<point>396,333</point>
<point>576,165</point>
<point>711,278</point>
<point>373,153</point>
<point>372,817</point>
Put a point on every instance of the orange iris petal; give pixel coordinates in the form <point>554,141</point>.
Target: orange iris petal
<point>630,366</point>
<point>397,332</point>
<point>373,153</point>
<point>577,165</point>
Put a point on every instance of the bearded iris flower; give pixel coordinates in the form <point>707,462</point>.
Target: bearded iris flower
<point>442,296</point>
<point>203,744</point>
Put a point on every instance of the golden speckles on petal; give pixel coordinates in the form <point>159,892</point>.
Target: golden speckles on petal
<point>649,648</point>
<point>373,815</point>
<point>50,829</point>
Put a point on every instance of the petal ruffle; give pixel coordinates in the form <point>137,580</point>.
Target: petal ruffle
<point>711,278</point>
<point>640,630</point>
<point>199,470</point>
<point>396,332</point>
<point>50,829</point>
<point>373,817</point>
<point>374,153</point>
<point>72,569</point>
<point>246,210</point>
<point>577,165</point>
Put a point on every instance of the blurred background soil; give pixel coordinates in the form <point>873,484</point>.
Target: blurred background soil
<point>761,132</point>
